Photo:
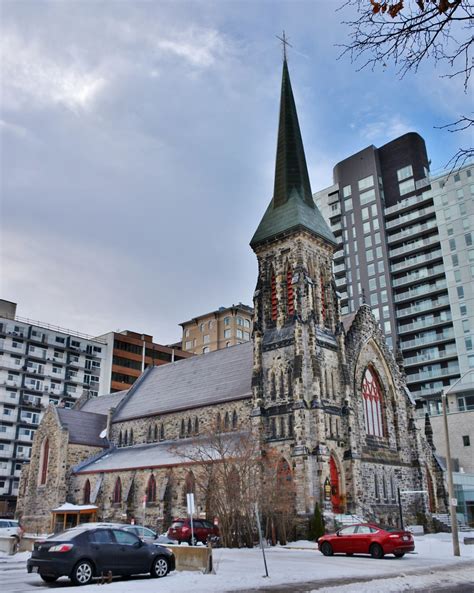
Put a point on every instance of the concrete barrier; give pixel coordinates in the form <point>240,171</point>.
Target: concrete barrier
<point>27,542</point>
<point>8,545</point>
<point>193,558</point>
<point>469,541</point>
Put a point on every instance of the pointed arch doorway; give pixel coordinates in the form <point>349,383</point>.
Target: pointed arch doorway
<point>335,480</point>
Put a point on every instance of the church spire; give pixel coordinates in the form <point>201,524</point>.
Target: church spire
<point>291,172</point>
<point>292,206</point>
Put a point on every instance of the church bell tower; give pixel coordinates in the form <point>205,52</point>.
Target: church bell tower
<point>295,299</point>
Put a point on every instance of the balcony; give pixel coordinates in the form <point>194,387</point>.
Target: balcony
<point>420,274</point>
<point>428,288</point>
<point>6,347</point>
<point>339,268</point>
<point>341,281</point>
<point>38,387</point>
<point>428,323</point>
<point>421,358</point>
<point>339,254</point>
<point>10,363</point>
<point>336,227</point>
<point>416,215</point>
<point>409,202</point>
<point>418,259</point>
<point>12,382</point>
<point>38,337</point>
<point>446,335</point>
<point>37,353</point>
<point>429,305</point>
<point>414,246</point>
<point>412,231</point>
<point>434,374</point>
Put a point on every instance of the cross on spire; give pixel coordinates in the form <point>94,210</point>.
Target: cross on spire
<point>284,42</point>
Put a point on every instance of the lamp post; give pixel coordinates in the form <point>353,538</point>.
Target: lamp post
<point>449,468</point>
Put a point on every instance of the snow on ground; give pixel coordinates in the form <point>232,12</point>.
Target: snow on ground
<point>301,562</point>
<point>15,558</point>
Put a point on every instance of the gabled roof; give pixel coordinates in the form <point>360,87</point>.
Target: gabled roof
<point>292,206</point>
<point>161,454</point>
<point>220,376</point>
<point>102,403</point>
<point>84,427</point>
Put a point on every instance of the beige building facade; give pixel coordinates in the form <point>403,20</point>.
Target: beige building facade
<point>227,326</point>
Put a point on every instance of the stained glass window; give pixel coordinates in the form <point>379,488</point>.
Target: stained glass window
<point>372,395</point>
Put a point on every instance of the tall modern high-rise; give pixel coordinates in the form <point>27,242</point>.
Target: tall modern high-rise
<point>406,248</point>
<point>40,364</point>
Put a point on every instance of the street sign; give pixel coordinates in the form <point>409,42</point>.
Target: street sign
<point>190,503</point>
<point>454,502</point>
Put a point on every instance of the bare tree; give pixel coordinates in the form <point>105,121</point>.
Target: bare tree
<point>232,474</point>
<point>409,33</point>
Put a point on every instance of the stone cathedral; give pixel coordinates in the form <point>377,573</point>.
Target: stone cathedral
<point>323,392</point>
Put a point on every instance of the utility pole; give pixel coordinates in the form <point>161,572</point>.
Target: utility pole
<point>449,468</point>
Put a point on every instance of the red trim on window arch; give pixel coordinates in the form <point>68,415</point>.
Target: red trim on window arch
<point>274,298</point>
<point>289,292</point>
<point>372,394</point>
<point>44,462</point>
<point>118,490</point>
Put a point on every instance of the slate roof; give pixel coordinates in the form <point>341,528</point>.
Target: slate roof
<point>102,403</point>
<point>84,427</point>
<point>220,376</point>
<point>292,206</point>
<point>161,454</point>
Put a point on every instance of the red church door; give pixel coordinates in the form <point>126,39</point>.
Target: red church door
<point>335,491</point>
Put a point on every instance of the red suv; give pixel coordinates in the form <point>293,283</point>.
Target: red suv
<point>180,530</point>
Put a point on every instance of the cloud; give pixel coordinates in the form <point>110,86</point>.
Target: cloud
<point>379,131</point>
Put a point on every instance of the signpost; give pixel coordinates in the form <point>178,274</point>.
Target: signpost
<point>190,503</point>
<point>261,539</point>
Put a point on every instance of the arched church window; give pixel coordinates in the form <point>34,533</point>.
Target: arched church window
<point>131,437</point>
<point>234,419</point>
<point>189,486</point>
<point>156,432</point>
<point>196,425</point>
<point>218,421</point>
<point>323,299</point>
<point>384,487</point>
<point>226,421</point>
<point>392,488</point>
<point>272,428</point>
<point>125,438</point>
<point>151,489</point>
<point>282,385</point>
<point>289,293</point>
<point>44,461</point>
<point>290,426</point>
<point>162,432</point>
<point>182,431</point>
<point>120,439</point>
<point>149,434</point>
<point>274,301</point>
<point>372,395</point>
<point>272,386</point>
<point>86,493</point>
<point>282,427</point>
<point>117,497</point>
<point>376,487</point>
<point>290,384</point>
<point>190,427</point>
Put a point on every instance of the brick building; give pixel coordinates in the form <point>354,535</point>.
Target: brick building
<point>322,393</point>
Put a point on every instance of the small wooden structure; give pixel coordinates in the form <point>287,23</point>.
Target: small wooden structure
<point>70,515</point>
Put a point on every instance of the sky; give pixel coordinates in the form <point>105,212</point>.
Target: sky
<point>137,147</point>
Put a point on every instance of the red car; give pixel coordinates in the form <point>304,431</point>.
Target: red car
<point>180,530</point>
<point>367,538</point>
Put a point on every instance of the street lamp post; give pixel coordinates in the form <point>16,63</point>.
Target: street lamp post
<point>449,468</point>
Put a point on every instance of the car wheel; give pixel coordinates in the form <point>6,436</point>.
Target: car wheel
<point>326,549</point>
<point>193,541</point>
<point>376,551</point>
<point>159,567</point>
<point>399,554</point>
<point>48,578</point>
<point>82,573</point>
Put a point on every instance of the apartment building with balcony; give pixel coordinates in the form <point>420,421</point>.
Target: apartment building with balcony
<point>129,353</point>
<point>218,329</point>
<point>40,364</point>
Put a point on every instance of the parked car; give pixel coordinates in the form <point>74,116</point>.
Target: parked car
<point>144,533</point>
<point>367,538</point>
<point>83,553</point>
<point>180,531</point>
<point>8,527</point>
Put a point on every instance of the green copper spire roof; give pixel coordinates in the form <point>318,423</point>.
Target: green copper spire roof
<point>292,205</point>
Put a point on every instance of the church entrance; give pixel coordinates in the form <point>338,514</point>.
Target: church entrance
<point>335,486</point>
